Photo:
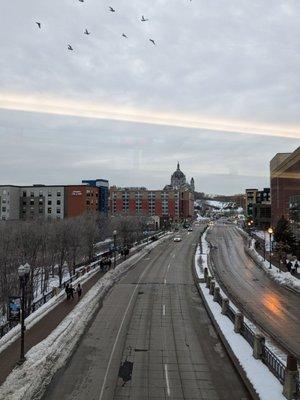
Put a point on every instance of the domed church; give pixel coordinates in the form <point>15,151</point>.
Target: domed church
<point>178,181</point>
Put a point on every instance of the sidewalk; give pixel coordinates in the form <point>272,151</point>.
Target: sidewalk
<point>10,356</point>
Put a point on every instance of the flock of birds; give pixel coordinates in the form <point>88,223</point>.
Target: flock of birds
<point>86,32</point>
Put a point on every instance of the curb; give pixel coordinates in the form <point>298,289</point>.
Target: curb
<point>231,354</point>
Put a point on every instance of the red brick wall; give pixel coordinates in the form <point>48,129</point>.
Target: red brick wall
<point>282,187</point>
<point>76,200</point>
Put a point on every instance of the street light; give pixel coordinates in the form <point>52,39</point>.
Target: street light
<point>270,231</point>
<point>115,243</point>
<point>23,272</point>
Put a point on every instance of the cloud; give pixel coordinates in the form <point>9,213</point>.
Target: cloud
<point>91,110</point>
<point>218,69</point>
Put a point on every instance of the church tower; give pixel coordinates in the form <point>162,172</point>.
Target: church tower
<point>192,185</point>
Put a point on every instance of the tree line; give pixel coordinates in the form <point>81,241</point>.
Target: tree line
<point>53,248</point>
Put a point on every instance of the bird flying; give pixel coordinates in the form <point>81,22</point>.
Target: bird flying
<point>86,32</point>
<point>111,9</point>
<point>123,34</point>
<point>152,41</point>
<point>70,47</point>
<point>39,24</point>
<point>143,19</point>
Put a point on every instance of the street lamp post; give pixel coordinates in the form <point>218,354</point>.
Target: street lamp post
<point>115,244</point>
<point>270,231</point>
<point>23,272</point>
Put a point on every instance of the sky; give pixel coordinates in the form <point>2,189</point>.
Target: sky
<point>219,91</point>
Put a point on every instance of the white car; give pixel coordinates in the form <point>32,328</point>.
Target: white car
<point>177,239</point>
<point>190,229</point>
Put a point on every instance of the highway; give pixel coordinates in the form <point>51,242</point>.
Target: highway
<point>154,321</point>
<point>275,308</point>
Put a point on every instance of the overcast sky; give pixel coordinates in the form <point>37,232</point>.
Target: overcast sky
<point>123,108</point>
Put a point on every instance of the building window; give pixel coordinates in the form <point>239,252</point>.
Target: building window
<point>31,194</point>
<point>58,211</point>
<point>49,194</point>
<point>3,209</point>
<point>58,194</point>
<point>24,193</point>
<point>31,202</point>
<point>49,202</point>
<point>40,211</point>
<point>40,201</point>
<point>58,202</point>
<point>87,202</point>
<point>49,210</point>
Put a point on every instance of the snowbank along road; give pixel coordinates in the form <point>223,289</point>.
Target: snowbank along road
<point>275,308</point>
<point>152,339</point>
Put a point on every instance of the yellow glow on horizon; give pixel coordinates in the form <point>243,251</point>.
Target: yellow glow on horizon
<point>52,105</point>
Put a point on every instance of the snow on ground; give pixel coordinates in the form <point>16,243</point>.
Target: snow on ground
<point>43,360</point>
<point>200,264</point>
<point>41,312</point>
<point>282,278</point>
<point>262,380</point>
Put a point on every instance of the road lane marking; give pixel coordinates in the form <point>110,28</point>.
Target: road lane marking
<point>167,380</point>
<point>165,281</point>
<point>164,309</point>
<point>119,331</point>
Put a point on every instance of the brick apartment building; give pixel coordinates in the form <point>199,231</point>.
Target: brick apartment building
<point>170,204</point>
<point>52,201</point>
<point>258,206</point>
<point>285,183</point>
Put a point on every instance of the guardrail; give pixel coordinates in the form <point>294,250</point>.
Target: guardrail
<point>5,328</point>
<point>265,354</point>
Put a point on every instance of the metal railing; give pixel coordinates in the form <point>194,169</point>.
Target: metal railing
<point>248,334</point>
<point>273,363</point>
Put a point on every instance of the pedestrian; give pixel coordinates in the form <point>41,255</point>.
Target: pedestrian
<point>79,291</point>
<point>296,266</point>
<point>289,266</point>
<point>67,290</point>
<point>102,264</point>
<point>109,263</point>
<point>71,291</point>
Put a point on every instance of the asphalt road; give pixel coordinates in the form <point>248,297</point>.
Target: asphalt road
<point>275,308</point>
<point>155,321</point>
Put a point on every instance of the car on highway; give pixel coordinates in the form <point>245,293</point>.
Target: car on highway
<point>177,239</point>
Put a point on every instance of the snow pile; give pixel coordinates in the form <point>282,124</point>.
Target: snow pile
<point>42,311</point>
<point>43,360</point>
<point>201,259</point>
<point>263,381</point>
<point>282,278</point>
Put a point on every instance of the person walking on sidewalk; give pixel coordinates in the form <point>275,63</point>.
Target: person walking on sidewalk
<point>71,291</point>
<point>79,291</point>
<point>67,290</point>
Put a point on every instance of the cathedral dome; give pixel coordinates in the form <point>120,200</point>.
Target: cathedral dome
<point>178,178</point>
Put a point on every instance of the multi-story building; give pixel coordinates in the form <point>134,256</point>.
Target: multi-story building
<point>170,204</point>
<point>258,206</point>
<point>103,186</point>
<point>285,183</point>
<point>53,201</point>
<point>81,199</point>
<point>9,202</point>
<point>42,201</point>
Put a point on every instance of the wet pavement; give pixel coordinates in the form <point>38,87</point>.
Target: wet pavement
<point>275,308</point>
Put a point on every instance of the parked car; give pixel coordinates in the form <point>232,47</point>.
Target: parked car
<point>177,239</point>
